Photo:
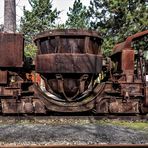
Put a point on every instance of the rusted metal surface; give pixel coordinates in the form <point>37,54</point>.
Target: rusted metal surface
<point>72,78</point>
<point>68,63</point>
<point>11,50</point>
<point>127,43</point>
<point>128,64</point>
<point>134,37</point>
<point>68,52</point>
<point>53,103</point>
<point>146,96</point>
<point>3,77</point>
<point>68,41</point>
<point>130,72</point>
<point>121,107</point>
<point>126,53</point>
<point>67,32</point>
<point>13,106</point>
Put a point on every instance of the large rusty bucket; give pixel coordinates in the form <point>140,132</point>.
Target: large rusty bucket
<point>68,61</point>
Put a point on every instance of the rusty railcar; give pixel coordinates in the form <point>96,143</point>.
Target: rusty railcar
<point>68,61</point>
<point>74,78</point>
<point>130,75</point>
<point>14,84</point>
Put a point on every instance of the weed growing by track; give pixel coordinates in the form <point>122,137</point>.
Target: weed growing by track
<point>137,125</point>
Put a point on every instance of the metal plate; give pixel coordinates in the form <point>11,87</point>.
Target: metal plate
<point>11,50</point>
<point>68,63</point>
<point>3,77</point>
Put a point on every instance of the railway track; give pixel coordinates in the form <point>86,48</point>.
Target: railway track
<point>79,146</point>
<point>66,131</point>
<point>8,118</point>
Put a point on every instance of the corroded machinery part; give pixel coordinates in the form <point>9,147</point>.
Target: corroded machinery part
<point>130,73</point>
<point>68,61</point>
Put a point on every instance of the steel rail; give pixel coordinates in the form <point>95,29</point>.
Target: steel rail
<point>71,116</point>
<point>78,146</point>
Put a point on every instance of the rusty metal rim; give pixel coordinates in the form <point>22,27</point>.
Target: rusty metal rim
<point>78,146</point>
<point>67,32</point>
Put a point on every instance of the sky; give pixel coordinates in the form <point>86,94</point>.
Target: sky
<point>61,5</point>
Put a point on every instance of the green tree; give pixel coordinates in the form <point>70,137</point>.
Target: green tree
<point>30,50</point>
<point>77,16</point>
<point>117,19</point>
<point>40,18</point>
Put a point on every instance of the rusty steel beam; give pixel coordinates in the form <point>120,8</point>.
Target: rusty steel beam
<point>127,43</point>
<point>134,37</point>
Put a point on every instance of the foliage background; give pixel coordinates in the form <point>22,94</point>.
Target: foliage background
<point>114,19</point>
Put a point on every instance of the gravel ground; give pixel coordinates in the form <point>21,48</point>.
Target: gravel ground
<point>70,134</point>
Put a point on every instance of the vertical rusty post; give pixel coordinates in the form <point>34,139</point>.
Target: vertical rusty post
<point>59,45</point>
<point>86,44</point>
<point>9,16</point>
<point>128,64</point>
